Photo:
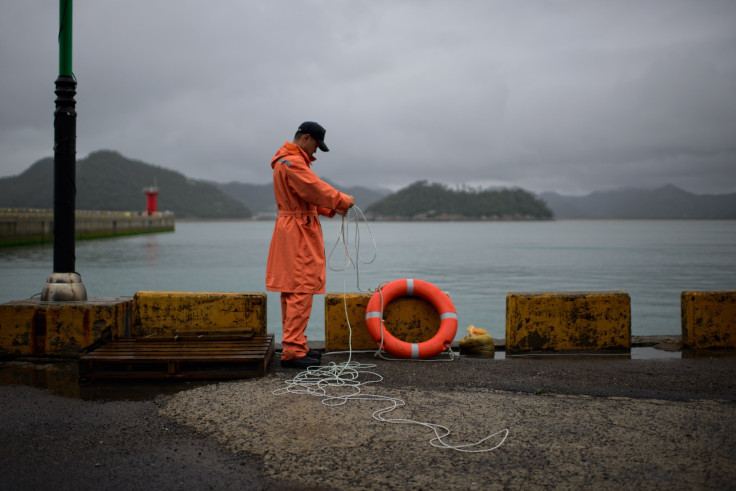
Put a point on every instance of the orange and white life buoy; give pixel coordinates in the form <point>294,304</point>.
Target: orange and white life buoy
<point>418,288</point>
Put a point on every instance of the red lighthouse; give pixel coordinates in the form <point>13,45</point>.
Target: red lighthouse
<point>151,193</point>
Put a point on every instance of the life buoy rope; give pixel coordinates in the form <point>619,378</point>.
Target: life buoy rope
<point>418,288</point>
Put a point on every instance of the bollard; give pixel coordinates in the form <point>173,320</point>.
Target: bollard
<point>168,312</point>
<point>708,319</point>
<point>38,328</point>
<point>568,321</point>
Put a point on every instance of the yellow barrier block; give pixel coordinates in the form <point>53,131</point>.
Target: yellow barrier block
<point>33,327</point>
<point>411,319</point>
<point>709,319</point>
<point>568,321</point>
<point>166,312</point>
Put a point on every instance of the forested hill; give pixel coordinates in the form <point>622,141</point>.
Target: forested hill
<point>108,181</point>
<point>431,201</point>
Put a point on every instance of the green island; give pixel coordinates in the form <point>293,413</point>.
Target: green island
<point>432,201</point>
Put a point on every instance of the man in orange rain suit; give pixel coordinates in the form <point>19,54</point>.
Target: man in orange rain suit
<point>296,258</point>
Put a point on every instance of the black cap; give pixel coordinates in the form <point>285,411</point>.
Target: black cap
<point>315,131</point>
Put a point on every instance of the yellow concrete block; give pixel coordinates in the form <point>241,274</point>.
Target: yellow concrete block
<point>33,327</point>
<point>709,319</point>
<point>568,321</point>
<point>166,312</point>
<point>411,319</point>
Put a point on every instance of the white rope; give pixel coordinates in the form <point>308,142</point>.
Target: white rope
<point>342,239</point>
<point>338,383</point>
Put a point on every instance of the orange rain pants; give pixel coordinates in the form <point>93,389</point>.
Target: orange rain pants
<point>295,311</point>
<point>296,257</point>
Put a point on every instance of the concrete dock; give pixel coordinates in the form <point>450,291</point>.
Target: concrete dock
<point>573,421</point>
<point>593,419</point>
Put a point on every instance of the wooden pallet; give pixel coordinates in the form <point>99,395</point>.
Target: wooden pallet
<point>200,334</point>
<point>181,358</point>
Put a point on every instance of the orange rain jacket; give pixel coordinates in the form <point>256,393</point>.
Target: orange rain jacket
<point>296,258</point>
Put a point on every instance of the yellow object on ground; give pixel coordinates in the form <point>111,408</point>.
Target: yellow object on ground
<point>34,327</point>
<point>568,321</point>
<point>478,343</point>
<point>709,319</point>
<point>166,312</point>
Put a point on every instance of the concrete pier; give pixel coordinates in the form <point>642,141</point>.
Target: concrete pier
<point>572,421</point>
<point>36,226</point>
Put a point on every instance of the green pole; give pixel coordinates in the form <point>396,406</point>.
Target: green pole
<point>65,284</point>
<point>65,37</point>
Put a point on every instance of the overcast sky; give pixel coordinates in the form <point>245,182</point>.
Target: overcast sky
<point>567,96</point>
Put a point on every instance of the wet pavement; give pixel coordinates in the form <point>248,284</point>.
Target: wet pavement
<point>60,376</point>
<point>654,419</point>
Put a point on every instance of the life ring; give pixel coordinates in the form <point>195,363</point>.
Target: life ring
<point>418,288</point>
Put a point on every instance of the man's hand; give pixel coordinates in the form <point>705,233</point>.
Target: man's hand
<point>345,212</point>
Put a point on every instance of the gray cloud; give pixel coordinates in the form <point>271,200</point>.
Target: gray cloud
<point>564,96</point>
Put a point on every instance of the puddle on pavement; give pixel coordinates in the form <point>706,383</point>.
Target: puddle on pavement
<point>640,353</point>
<point>61,377</point>
<point>654,354</point>
<point>708,353</point>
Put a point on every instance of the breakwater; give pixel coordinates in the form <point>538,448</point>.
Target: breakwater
<point>35,226</point>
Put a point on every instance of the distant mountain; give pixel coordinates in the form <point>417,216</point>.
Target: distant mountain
<point>259,197</point>
<point>664,202</point>
<point>108,181</point>
<point>432,201</point>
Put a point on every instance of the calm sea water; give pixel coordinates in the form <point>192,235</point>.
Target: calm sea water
<point>476,262</point>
